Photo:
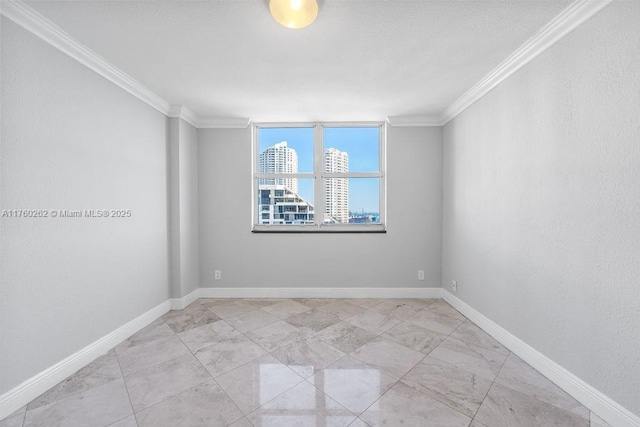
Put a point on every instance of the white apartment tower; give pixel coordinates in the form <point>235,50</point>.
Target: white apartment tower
<point>336,190</point>
<point>279,159</point>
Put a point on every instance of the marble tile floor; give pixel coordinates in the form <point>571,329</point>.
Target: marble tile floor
<point>307,362</point>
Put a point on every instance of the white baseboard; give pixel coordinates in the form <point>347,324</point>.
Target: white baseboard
<point>24,393</point>
<point>600,404</point>
<point>320,292</point>
<point>181,303</point>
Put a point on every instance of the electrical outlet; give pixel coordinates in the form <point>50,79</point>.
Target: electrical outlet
<point>420,274</point>
<point>218,274</point>
<point>454,286</point>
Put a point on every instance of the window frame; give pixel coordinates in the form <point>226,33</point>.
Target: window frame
<point>318,175</point>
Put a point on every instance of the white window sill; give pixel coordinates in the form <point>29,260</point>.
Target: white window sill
<point>355,228</point>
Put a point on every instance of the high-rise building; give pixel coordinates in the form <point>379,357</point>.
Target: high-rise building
<point>336,190</point>
<point>279,159</point>
<point>277,205</point>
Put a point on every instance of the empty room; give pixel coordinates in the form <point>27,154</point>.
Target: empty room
<point>320,213</point>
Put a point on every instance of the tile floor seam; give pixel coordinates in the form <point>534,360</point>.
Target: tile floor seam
<point>429,398</point>
<point>358,419</point>
<point>458,327</point>
<point>24,416</point>
<point>175,395</point>
<point>305,336</point>
<point>320,330</point>
<point>241,365</point>
<point>375,401</point>
<point>473,344</point>
<point>470,372</point>
<point>437,400</point>
<point>431,330</point>
<point>533,397</point>
<point>457,367</point>
<point>335,361</point>
<point>469,321</point>
<point>433,398</point>
<point>451,333</point>
<point>189,348</point>
<point>232,401</point>
<point>372,403</point>
<point>126,387</point>
<point>244,364</point>
<point>212,377</point>
<point>75,393</point>
<point>123,418</point>
<point>381,333</point>
<point>289,389</point>
<point>495,376</point>
<point>69,394</point>
<point>253,341</point>
<point>397,379</point>
<point>327,342</point>
<point>255,409</point>
<point>382,300</point>
<point>387,372</point>
<point>311,376</point>
<point>157,364</point>
<point>588,419</point>
<point>200,362</point>
<point>540,400</point>
<point>184,343</point>
<point>490,387</point>
<point>56,402</point>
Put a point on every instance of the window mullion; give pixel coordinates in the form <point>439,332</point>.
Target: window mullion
<point>352,175</point>
<point>383,168</point>
<point>284,175</point>
<point>318,164</point>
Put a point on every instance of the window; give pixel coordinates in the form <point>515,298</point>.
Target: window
<point>319,177</point>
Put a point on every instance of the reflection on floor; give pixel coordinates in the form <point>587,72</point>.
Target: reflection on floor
<point>307,362</point>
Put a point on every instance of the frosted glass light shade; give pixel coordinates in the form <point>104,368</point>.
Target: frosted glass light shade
<point>294,13</point>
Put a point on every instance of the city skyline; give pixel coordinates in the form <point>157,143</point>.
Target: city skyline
<point>280,158</point>
<point>362,145</point>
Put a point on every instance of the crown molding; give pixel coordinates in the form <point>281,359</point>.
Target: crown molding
<point>182,112</point>
<point>568,20</point>
<point>404,121</point>
<point>32,21</point>
<point>224,123</point>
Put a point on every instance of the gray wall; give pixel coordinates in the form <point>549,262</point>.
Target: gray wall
<point>72,140</point>
<point>542,203</point>
<point>413,241</point>
<point>183,199</point>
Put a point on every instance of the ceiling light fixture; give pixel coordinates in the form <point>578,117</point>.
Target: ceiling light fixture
<point>294,13</point>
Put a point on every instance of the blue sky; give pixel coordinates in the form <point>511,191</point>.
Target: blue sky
<point>360,143</point>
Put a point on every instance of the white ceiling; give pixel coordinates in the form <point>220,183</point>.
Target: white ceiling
<point>360,60</point>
